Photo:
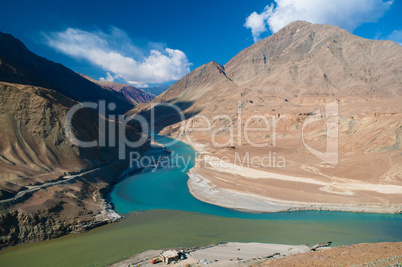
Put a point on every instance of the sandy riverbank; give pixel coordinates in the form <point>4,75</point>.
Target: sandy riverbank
<point>228,254</point>
<point>203,189</point>
<point>261,254</point>
<point>237,187</point>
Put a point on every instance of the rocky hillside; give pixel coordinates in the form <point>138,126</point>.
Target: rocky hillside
<point>300,60</point>
<point>21,66</point>
<point>50,186</point>
<point>34,146</point>
<point>35,150</point>
<point>131,93</point>
<point>321,59</point>
<point>290,77</point>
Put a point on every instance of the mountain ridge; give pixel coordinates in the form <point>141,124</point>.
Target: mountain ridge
<point>35,149</point>
<point>302,59</point>
<point>21,66</point>
<point>343,60</point>
<point>292,77</point>
<point>131,93</point>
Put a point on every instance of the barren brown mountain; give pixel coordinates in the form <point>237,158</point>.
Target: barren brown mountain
<point>289,78</point>
<point>21,66</point>
<point>35,152</point>
<point>48,185</point>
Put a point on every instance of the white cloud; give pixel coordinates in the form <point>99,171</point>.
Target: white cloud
<point>109,77</point>
<point>138,84</point>
<point>116,54</point>
<point>347,14</point>
<point>256,22</point>
<point>395,36</point>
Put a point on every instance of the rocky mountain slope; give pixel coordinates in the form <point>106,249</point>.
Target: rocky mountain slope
<point>321,59</point>
<point>131,93</point>
<point>38,200</point>
<point>300,60</point>
<point>21,66</point>
<point>35,150</point>
<point>292,79</point>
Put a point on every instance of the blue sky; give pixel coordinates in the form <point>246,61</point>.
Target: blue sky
<point>148,42</point>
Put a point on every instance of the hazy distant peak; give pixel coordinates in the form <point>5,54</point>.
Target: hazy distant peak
<point>131,93</point>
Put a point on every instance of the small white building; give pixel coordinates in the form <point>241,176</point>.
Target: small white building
<point>169,255</point>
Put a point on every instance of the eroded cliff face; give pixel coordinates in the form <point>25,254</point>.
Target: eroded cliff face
<point>59,210</point>
<point>17,226</point>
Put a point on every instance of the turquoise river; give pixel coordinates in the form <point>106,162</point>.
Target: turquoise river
<point>160,212</point>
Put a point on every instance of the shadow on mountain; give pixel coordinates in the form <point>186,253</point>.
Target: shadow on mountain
<point>166,114</point>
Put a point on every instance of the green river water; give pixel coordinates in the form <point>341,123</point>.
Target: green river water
<point>161,213</point>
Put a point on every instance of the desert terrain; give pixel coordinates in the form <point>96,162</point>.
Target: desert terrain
<point>308,118</point>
